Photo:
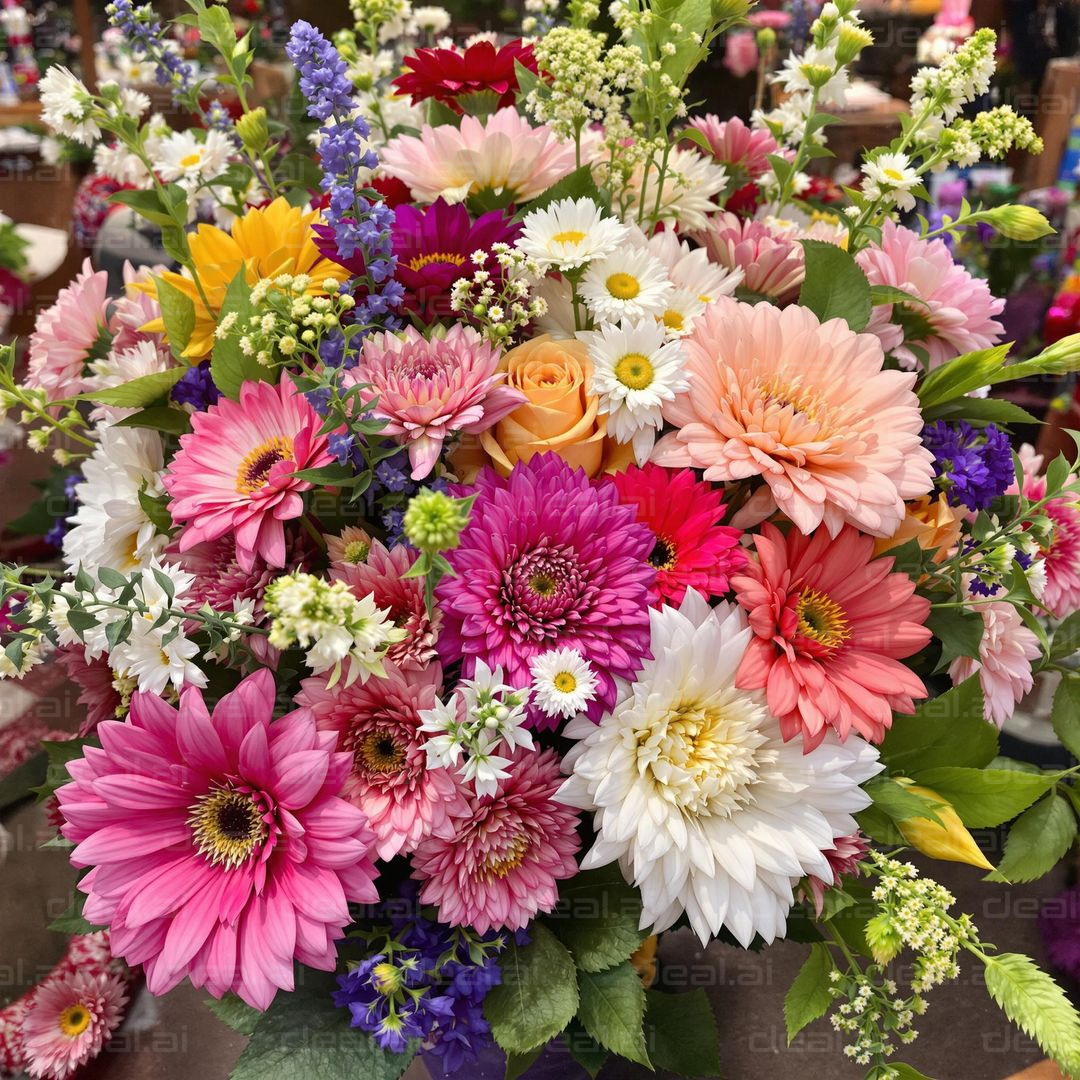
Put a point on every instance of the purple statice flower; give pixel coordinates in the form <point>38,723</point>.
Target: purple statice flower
<point>145,35</point>
<point>196,388</point>
<point>973,465</point>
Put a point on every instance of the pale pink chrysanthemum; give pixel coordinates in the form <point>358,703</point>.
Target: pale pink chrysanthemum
<point>378,724</point>
<point>503,153</point>
<point>958,308</point>
<point>771,259</point>
<point>348,547</point>
<point>219,848</point>
<point>134,308</point>
<point>70,334</point>
<point>70,1018</point>
<point>382,575</point>
<point>844,858</point>
<point>233,474</point>
<point>806,406</point>
<point>743,150</point>
<point>1004,665</point>
<point>1061,559</point>
<point>508,851</point>
<point>429,390</point>
<point>97,691</point>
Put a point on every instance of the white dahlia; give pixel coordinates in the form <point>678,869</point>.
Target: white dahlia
<point>707,810</point>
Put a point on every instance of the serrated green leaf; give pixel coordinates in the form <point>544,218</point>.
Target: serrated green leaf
<point>597,920</point>
<point>612,1008</point>
<point>980,411</point>
<point>138,393</point>
<point>583,1048</point>
<point>234,1012</point>
<point>177,313</point>
<point>1038,840</point>
<point>1065,713</point>
<point>518,1064</point>
<point>680,1033</point>
<point>808,997</point>
<point>835,286</point>
<point>579,184</point>
<point>1066,640</point>
<point>984,798</point>
<point>889,294</point>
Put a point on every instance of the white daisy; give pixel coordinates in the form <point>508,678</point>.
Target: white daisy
<point>627,285</point>
<point>635,370</point>
<point>190,161</point>
<point>66,105</point>
<point>891,174</point>
<point>563,682</point>
<point>690,268</point>
<point>795,76</point>
<point>431,20</point>
<point>682,310</point>
<point>119,164</point>
<point>696,795</point>
<point>570,232</point>
<point>155,662</point>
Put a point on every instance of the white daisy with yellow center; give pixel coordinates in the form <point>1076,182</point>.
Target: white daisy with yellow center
<point>679,316</point>
<point>891,174</point>
<point>569,233</point>
<point>563,682</point>
<point>192,162</point>
<point>627,285</point>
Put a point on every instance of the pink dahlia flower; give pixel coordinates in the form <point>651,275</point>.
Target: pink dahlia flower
<point>134,308</point>
<point>234,472</point>
<point>382,574</point>
<point>807,407</point>
<point>958,310</point>
<point>831,626</point>
<point>378,724</point>
<point>97,691</point>
<point>742,150</point>
<point>1061,595</point>
<point>843,860</point>
<point>69,335</point>
<point>219,847</point>
<point>1004,665</point>
<point>549,560</point>
<point>429,390</point>
<point>69,1021</point>
<point>771,259</point>
<point>508,851</point>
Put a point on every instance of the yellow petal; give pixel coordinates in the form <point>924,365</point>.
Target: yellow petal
<point>950,840</point>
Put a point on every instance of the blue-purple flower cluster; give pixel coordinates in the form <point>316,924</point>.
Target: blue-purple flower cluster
<point>196,388</point>
<point>973,465</point>
<point>145,35</point>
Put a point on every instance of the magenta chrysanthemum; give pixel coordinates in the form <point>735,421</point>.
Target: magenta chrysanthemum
<point>549,560</point>
<point>378,724</point>
<point>219,847</point>
<point>771,260</point>
<point>508,851</point>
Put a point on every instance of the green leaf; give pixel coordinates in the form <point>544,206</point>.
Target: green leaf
<point>612,1008</point>
<point>1066,638</point>
<point>178,314</point>
<point>808,997</point>
<point>980,411</point>
<point>577,185</point>
<point>1065,713</point>
<point>538,995</point>
<point>1037,841</point>
<point>161,418</point>
<point>680,1032</point>
<point>22,782</point>
<point>984,798</point>
<point>597,919</point>
<point>962,375</point>
<point>517,1064</point>
<point>889,294</point>
<point>59,754</point>
<point>147,204</point>
<point>835,286</point>
<point>583,1048</point>
<point>229,367</point>
<point>960,632</point>
<point>1037,1005</point>
<point>139,393</point>
<point>895,1070</point>
<point>234,1012</point>
<point>156,508</point>
<point>898,802</point>
<point>73,921</point>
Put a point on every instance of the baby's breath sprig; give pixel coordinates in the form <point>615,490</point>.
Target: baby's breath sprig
<point>500,309</point>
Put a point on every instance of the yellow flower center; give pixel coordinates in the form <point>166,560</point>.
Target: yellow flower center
<point>542,584</point>
<point>894,175</point>
<point>418,262</point>
<point>255,468</point>
<point>623,286</point>
<point>74,1020</point>
<point>191,159</point>
<point>501,863</point>
<point>821,619</point>
<point>791,392</point>
<point>356,552</point>
<point>565,682</point>
<point>568,236</point>
<point>227,826</point>
<point>379,753</point>
<point>673,319</point>
<point>634,371</point>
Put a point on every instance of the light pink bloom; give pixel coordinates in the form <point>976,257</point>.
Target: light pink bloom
<point>134,308</point>
<point>740,53</point>
<point>844,859</point>
<point>771,259</point>
<point>742,150</point>
<point>219,847</point>
<point>959,308</point>
<point>429,390</point>
<point>1061,560</point>
<point>807,407</point>
<point>507,853</point>
<point>773,20</point>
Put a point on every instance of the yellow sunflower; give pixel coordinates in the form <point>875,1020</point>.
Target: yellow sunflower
<point>276,239</point>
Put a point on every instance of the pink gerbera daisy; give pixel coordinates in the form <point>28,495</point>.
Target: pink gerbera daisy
<point>807,407</point>
<point>501,865</point>
<point>70,1018</point>
<point>428,390</point>
<point>690,548</point>
<point>832,625</point>
<point>549,560</point>
<point>771,259</point>
<point>956,315</point>
<point>219,847</point>
<point>378,724</point>
<point>234,473</point>
<point>742,150</point>
<point>69,335</point>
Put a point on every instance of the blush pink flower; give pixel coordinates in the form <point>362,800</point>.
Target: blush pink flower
<point>831,626</point>
<point>740,53</point>
<point>134,308</point>
<point>429,390</point>
<point>742,150</point>
<point>843,858</point>
<point>508,851</point>
<point>219,847</point>
<point>97,692</point>
<point>234,471</point>
<point>378,724</point>
<point>1061,558</point>
<point>771,259</point>
<point>1004,665</point>
<point>807,407</point>
<point>957,313</point>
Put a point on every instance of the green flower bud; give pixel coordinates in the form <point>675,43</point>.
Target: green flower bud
<point>252,129</point>
<point>817,75</point>
<point>1019,222</point>
<point>850,41</point>
<point>729,11</point>
<point>433,521</point>
<point>766,38</point>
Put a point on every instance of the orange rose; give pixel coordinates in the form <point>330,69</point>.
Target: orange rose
<point>560,415</point>
<point>932,522</point>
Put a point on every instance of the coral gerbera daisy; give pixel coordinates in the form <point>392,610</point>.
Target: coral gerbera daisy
<point>690,548</point>
<point>548,559</point>
<point>695,793</point>
<point>219,847</point>
<point>234,470</point>
<point>831,626</point>
<point>807,407</point>
<point>507,852</point>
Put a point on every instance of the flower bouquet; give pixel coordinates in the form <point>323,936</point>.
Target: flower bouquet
<point>520,524</point>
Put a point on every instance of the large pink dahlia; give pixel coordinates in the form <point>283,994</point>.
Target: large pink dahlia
<point>771,259</point>
<point>378,724</point>
<point>234,471</point>
<point>807,407</point>
<point>428,390</point>
<point>549,560</point>
<point>507,852</point>
<point>831,626</point>
<point>219,847</point>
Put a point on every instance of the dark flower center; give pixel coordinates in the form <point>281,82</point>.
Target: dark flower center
<point>227,825</point>
<point>662,556</point>
<point>378,752</point>
<point>255,468</point>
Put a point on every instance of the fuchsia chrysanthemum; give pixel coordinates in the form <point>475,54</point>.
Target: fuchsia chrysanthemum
<point>742,150</point>
<point>429,390</point>
<point>549,560</point>
<point>957,313</point>
<point>233,474</point>
<point>771,259</point>
<point>507,852</point>
<point>832,625</point>
<point>378,724</point>
<point>690,549</point>
<point>219,847</point>
<point>843,858</point>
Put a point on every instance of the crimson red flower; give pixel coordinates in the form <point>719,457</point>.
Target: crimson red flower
<point>449,75</point>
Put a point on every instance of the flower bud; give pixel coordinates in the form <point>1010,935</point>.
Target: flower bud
<point>950,840</point>
<point>850,41</point>
<point>766,38</point>
<point>729,11</point>
<point>253,131</point>
<point>433,521</point>
<point>1018,222</point>
<point>817,75</point>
